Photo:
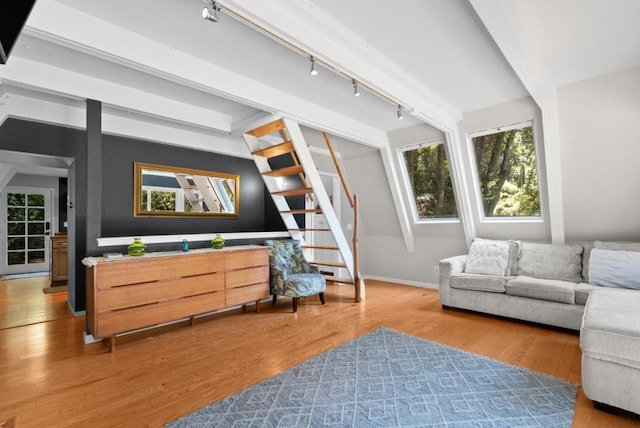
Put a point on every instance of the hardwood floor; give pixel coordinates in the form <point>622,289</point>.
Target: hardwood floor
<point>48,377</point>
<point>22,302</point>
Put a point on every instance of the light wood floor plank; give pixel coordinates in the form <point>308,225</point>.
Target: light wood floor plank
<point>48,377</point>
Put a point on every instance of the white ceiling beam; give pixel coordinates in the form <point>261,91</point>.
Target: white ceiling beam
<point>65,26</point>
<point>508,31</point>
<point>115,121</point>
<point>7,171</point>
<point>39,76</point>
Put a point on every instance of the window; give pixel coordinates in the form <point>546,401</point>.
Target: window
<point>506,171</point>
<point>427,171</point>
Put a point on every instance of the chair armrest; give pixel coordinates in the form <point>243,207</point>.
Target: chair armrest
<point>448,267</point>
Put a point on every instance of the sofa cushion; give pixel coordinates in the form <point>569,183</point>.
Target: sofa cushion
<point>469,281</point>
<point>549,261</point>
<point>583,290</point>
<point>610,328</point>
<point>543,289</point>
<point>488,257</point>
<point>514,251</point>
<point>586,253</point>
<point>619,269</point>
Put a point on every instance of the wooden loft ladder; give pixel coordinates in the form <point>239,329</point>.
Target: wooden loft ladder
<point>282,138</point>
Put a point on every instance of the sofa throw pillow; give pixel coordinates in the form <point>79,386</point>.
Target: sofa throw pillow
<point>487,257</point>
<point>619,269</point>
<point>549,261</point>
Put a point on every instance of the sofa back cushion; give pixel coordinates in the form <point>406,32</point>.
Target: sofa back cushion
<point>620,269</point>
<point>549,261</point>
<point>487,257</point>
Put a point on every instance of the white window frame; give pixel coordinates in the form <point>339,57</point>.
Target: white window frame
<point>408,188</point>
<point>179,192</point>
<point>476,178</point>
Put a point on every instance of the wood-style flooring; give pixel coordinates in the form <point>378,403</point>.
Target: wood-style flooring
<point>22,302</point>
<point>49,378</point>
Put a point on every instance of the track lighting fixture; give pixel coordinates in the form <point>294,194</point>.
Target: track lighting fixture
<point>356,88</point>
<point>313,71</point>
<point>209,16</point>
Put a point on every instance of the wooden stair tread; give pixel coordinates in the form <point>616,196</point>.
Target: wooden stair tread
<point>283,172</point>
<point>317,210</point>
<point>267,129</point>
<point>276,150</point>
<point>338,279</point>
<point>320,247</point>
<point>294,192</point>
<point>328,263</point>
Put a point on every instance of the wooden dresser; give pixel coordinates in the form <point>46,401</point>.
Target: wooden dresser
<point>130,293</point>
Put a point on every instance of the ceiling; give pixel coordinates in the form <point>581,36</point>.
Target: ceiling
<point>439,58</point>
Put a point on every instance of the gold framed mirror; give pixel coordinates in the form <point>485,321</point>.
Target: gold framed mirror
<point>168,191</point>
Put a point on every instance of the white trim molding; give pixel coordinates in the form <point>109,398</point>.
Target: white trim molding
<point>402,281</point>
<point>164,239</point>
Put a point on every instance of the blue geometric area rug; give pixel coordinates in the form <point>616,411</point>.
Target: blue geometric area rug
<point>390,379</point>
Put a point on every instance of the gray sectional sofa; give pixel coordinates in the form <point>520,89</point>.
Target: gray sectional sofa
<point>578,287</point>
<point>542,283</point>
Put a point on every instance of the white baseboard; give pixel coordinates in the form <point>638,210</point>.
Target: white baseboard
<point>403,281</point>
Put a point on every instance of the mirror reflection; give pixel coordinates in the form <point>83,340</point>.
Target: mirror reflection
<point>172,191</point>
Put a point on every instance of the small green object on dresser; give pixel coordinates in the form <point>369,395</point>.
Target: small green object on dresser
<point>217,242</point>
<point>137,247</point>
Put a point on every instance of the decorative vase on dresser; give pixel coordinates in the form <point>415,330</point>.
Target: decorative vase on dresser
<point>137,247</point>
<point>218,242</point>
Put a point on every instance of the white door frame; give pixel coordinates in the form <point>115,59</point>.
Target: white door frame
<point>48,217</point>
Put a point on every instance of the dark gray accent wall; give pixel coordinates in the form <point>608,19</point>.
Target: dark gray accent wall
<point>115,156</point>
<point>119,155</point>
<point>93,179</point>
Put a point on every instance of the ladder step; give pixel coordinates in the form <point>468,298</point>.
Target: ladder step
<point>294,192</point>
<point>310,230</point>
<point>338,279</point>
<point>328,263</point>
<point>267,129</point>
<point>320,247</point>
<point>283,172</point>
<point>273,151</point>
<point>316,210</point>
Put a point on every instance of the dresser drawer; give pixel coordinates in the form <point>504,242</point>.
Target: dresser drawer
<point>114,322</point>
<point>244,259</point>
<point>246,294</point>
<point>242,277</point>
<point>127,296</point>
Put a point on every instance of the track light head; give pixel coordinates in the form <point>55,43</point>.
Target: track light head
<point>400,112</point>
<point>356,88</point>
<point>314,70</point>
<point>209,16</point>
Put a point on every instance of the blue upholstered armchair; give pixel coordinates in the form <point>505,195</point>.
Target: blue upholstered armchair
<point>291,275</point>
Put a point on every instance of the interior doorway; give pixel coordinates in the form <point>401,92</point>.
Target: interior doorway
<point>26,214</point>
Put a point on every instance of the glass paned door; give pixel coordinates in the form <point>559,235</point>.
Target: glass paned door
<point>26,214</point>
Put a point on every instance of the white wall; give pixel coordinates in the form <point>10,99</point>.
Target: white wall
<point>382,247</point>
<point>600,145</point>
<point>522,110</point>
